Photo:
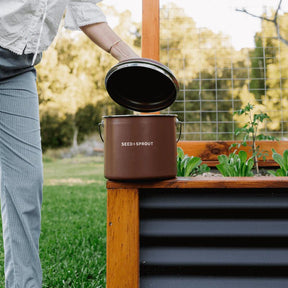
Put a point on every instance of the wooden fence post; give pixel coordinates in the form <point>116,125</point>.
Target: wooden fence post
<point>150,29</point>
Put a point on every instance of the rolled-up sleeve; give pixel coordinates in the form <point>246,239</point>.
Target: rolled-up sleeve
<point>80,13</point>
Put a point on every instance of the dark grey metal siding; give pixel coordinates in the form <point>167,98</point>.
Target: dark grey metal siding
<point>212,238</point>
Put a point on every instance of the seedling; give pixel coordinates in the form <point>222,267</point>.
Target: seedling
<point>235,165</point>
<point>283,163</point>
<point>189,166</point>
<point>250,131</point>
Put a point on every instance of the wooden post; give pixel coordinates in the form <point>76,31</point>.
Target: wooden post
<point>123,238</point>
<point>150,29</point>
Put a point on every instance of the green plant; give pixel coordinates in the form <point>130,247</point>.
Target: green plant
<point>250,131</point>
<point>189,166</point>
<point>235,165</point>
<point>283,163</point>
<point>56,132</point>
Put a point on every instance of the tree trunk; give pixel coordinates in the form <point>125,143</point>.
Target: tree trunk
<point>75,148</point>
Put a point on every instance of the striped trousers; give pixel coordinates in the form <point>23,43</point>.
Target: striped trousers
<point>21,176</point>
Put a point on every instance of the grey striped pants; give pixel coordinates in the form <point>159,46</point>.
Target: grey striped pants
<point>21,176</point>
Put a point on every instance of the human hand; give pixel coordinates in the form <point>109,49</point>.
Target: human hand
<point>122,51</point>
<point>103,36</point>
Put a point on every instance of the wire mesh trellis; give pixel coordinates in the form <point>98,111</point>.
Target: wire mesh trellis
<point>216,79</point>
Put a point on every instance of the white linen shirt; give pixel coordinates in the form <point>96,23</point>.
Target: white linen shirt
<point>29,26</point>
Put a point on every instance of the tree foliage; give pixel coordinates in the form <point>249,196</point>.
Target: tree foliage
<point>72,90</point>
<point>71,84</point>
<point>276,98</point>
<point>269,84</point>
<point>207,68</point>
<point>212,75</point>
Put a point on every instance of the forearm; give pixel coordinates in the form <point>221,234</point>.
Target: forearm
<point>104,37</point>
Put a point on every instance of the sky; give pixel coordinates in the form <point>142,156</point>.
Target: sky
<point>217,15</point>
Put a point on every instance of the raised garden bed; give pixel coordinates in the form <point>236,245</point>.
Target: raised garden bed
<point>189,231</point>
<point>199,231</point>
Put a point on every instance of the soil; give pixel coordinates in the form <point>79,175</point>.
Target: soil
<point>215,173</point>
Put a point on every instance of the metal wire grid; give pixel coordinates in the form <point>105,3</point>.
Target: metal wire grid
<point>206,101</point>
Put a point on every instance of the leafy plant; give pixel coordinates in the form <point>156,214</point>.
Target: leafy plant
<point>235,165</point>
<point>250,132</point>
<point>283,163</point>
<point>189,166</point>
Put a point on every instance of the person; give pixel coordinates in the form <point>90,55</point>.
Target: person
<point>27,29</point>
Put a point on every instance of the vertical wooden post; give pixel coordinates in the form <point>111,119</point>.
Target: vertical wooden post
<point>123,238</point>
<point>150,29</point>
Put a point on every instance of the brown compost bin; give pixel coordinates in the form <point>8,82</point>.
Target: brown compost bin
<point>140,147</point>
<point>142,84</point>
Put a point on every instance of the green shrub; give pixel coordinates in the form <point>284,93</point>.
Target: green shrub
<point>189,166</point>
<point>235,165</point>
<point>283,163</point>
<point>87,119</point>
<point>56,132</point>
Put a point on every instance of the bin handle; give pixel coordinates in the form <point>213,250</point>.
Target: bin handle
<point>101,124</point>
<point>178,122</point>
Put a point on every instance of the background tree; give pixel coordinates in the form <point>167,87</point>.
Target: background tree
<point>71,84</point>
<point>215,79</point>
<point>207,68</point>
<point>274,20</point>
<point>269,68</point>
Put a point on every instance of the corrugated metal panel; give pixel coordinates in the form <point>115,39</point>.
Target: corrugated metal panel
<point>211,198</point>
<point>212,282</point>
<point>213,238</point>
<point>214,228</point>
<point>213,256</point>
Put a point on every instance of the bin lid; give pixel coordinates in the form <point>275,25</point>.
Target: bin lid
<point>142,84</point>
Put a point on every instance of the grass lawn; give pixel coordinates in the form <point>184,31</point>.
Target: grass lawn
<point>73,236</point>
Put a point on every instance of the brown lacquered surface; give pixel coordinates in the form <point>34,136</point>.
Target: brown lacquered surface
<point>206,182</point>
<point>208,151</point>
<point>140,147</point>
